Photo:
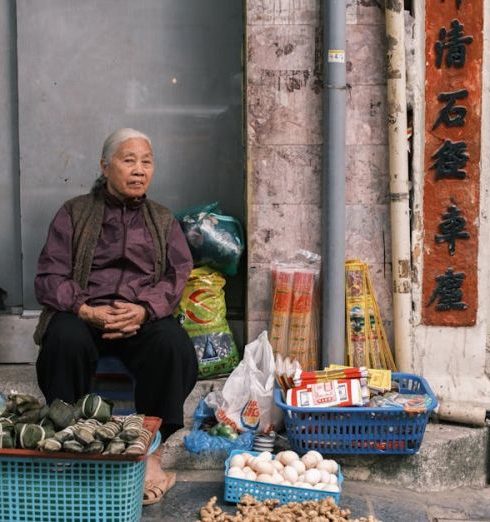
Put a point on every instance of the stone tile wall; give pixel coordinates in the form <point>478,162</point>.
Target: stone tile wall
<point>284,138</point>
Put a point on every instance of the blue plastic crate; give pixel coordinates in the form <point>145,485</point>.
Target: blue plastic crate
<point>40,489</point>
<point>359,430</point>
<point>235,488</point>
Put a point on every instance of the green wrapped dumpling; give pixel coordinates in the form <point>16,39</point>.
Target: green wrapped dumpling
<point>61,413</point>
<point>132,427</point>
<point>50,445</point>
<point>29,435</point>
<point>94,407</point>
<point>97,446</point>
<point>72,446</point>
<point>7,438</point>
<point>33,416</point>
<point>20,403</point>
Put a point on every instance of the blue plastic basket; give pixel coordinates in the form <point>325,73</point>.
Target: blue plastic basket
<point>359,430</point>
<point>236,487</point>
<point>39,489</point>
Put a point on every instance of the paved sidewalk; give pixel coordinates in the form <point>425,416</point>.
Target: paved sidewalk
<point>388,504</point>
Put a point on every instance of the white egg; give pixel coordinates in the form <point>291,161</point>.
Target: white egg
<point>301,485</point>
<point>236,472</point>
<point>334,479</point>
<point>290,474</point>
<point>263,467</point>
<point>324,465</point>
<point>246,469</point>
<point>335,466</point>
<point>264,477</point>
<point>279,456</point>
<point>265,455</point>
<point>252,463</point>
<point>325,476</point>
<point>250,475</point>
<point>318,456</point>
<point>330,465</point>
<point>312,476</point>
<point>299,466</point>
<point>277,477</point>
<point>246,457</point>
<point>331,487</point>
<point>237,461</point>
<point>279,466</point>
<point>301,477</point>
<point>288,457</point>
<point>309,461</point>
<point>286,483</point>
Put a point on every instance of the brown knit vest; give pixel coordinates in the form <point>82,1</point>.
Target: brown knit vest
<point>87,214</point>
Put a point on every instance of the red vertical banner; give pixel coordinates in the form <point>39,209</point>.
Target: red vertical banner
<point>453,88</point>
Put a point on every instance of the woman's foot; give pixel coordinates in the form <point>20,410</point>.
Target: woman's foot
<point>157,481</point>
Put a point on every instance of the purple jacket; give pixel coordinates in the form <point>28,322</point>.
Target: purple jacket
<point>123,265</point>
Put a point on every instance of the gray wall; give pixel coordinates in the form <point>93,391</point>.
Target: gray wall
<point>10,257</point>
<point>171,69</point>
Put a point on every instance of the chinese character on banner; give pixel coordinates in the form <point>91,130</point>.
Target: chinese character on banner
<point>453,42</point>
<point>452,150</point>
<point>448,291</point>
<point>458,3</point>
<point>452,227</point>
<point>451,115</point>
<point>450,158</point>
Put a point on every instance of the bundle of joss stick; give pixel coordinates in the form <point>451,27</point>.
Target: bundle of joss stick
<point>367,343</point>
<point>294,318</point>
<point>289,375</point>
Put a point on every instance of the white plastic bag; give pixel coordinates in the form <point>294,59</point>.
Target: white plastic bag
<point>246,401</point>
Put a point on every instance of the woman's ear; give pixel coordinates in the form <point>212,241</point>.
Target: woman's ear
<point>103,167</point>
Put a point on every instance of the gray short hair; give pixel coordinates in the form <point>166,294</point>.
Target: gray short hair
<point>115,139</point>
<point>110,146</point>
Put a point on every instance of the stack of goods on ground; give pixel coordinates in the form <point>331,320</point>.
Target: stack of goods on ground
<point>87,427</point>
<point>342,386</point>
<point>293,477</point>
<point>343,410</point>
<point>294,325</point>
<point>250,509</point>
<point>216,242</point>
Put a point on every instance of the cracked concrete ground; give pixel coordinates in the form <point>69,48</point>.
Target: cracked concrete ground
<point>387,503</point>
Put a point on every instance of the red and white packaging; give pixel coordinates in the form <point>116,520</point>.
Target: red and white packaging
<point>341,392</point>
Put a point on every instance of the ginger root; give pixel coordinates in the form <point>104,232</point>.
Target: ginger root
<point>249,509</point>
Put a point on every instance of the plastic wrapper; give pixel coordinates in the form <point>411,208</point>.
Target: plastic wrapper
<point>338,393</point>
<point>409,402</point>
<point>214,239</point>
<point>200,441</point>
<point>367,344</point>
<point>294,329</point>
<point>202,313</point>
<point>246,401</point>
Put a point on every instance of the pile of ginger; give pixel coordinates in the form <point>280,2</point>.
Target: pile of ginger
<point>251,510</point>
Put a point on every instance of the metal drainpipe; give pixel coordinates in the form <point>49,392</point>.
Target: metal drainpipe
<point>398,165</point>
<point>333,182</point>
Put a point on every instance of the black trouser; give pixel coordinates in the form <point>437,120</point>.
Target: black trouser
<point>160,357</point>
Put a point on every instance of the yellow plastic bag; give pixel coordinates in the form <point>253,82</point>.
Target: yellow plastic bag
<point>202,313</point>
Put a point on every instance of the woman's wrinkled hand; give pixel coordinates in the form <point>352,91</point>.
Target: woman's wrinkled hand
<point>125,320</point>
<point>117,321</point>
<point>97,316</point>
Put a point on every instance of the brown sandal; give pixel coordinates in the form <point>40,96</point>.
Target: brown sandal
<point>154,491</point>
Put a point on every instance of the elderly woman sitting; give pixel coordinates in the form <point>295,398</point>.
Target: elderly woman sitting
<point>112,270</point>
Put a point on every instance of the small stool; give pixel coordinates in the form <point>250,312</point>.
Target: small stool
<point>113,381</point>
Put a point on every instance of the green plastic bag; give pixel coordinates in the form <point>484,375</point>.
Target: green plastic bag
<point>202,313</point>
<point>214,239</point>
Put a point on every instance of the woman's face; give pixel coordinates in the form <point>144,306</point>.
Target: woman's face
<point>130,170</point>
